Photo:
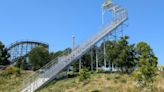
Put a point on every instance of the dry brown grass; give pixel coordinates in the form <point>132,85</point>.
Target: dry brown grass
<point>12,83</point>
<point>100,82</point>
<point>103,83</point>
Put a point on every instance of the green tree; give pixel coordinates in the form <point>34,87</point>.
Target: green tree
<point>67,51</point>
<point>38,57</point>
<point>4,55</point>
<point>85,62</point>
<point>126,58</point>
<point>147,65</point>
<point>54,55</point>
<point>18,62</point>
<point>22,64</point>
<point>112,52</point>
<point>121,54</point>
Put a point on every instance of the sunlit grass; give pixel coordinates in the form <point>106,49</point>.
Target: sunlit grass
<point>102,83</point>
<point>99,82</point>
<point>12,83</point>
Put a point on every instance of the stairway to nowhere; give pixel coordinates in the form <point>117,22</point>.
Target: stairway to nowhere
<point>51,70</point>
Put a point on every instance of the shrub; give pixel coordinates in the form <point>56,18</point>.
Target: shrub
<point>115,81</point>
<point>11,70</point>
<point>96,90</point>
<point>108,78</point>
<point>84,74</point>
<point>123,81</point>
<point>22,64</point>
<point>117,77</point>
<point>145,76</point>
<point>101,71</point>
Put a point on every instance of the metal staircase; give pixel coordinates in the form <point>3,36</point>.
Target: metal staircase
<point>51,70</point>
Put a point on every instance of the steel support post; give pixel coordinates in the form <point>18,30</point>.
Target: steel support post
<point>79,64</point>
<point>104,42</point>
<point>91,60</point>
<point>96,60</point>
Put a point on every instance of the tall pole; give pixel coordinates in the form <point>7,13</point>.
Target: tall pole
<point>73,42</point>
<point>73,47</point>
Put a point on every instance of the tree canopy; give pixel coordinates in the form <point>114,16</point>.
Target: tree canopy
<point>4,55</point>
<point>147,65</point>
<point>38,57</point>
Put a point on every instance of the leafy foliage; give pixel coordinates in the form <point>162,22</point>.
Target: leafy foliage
<point>121,54</point>
<point>38,57</point>
<point>54,55</point>
<point>147,65</point>
<point>22,64</point>
<point>84,74</point>
<point>4,55</point>
<point>11,70</point>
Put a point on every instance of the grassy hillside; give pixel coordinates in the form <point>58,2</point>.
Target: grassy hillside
<point>12,82</point>
<point>102,83</point>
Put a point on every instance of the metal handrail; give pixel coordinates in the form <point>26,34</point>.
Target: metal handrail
<point>25,82</point>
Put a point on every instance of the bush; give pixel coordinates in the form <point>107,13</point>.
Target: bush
<point>117,77</point>
<point>22,64</point>
<point>108,78</point>
<point>11,70</point>
<point>115,81</point>
<point>101,71</point>
<point>84,74</point>
<point>96,90</point>
<point>123,81</point>
<point>145,76</point>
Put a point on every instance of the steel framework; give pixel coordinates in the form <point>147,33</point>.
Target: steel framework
<point>22,48</point>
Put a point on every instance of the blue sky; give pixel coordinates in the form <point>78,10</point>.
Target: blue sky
<point>54,21</point>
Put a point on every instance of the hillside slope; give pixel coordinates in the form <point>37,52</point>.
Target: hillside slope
<point>12,83</point>
<point>101,83</point>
